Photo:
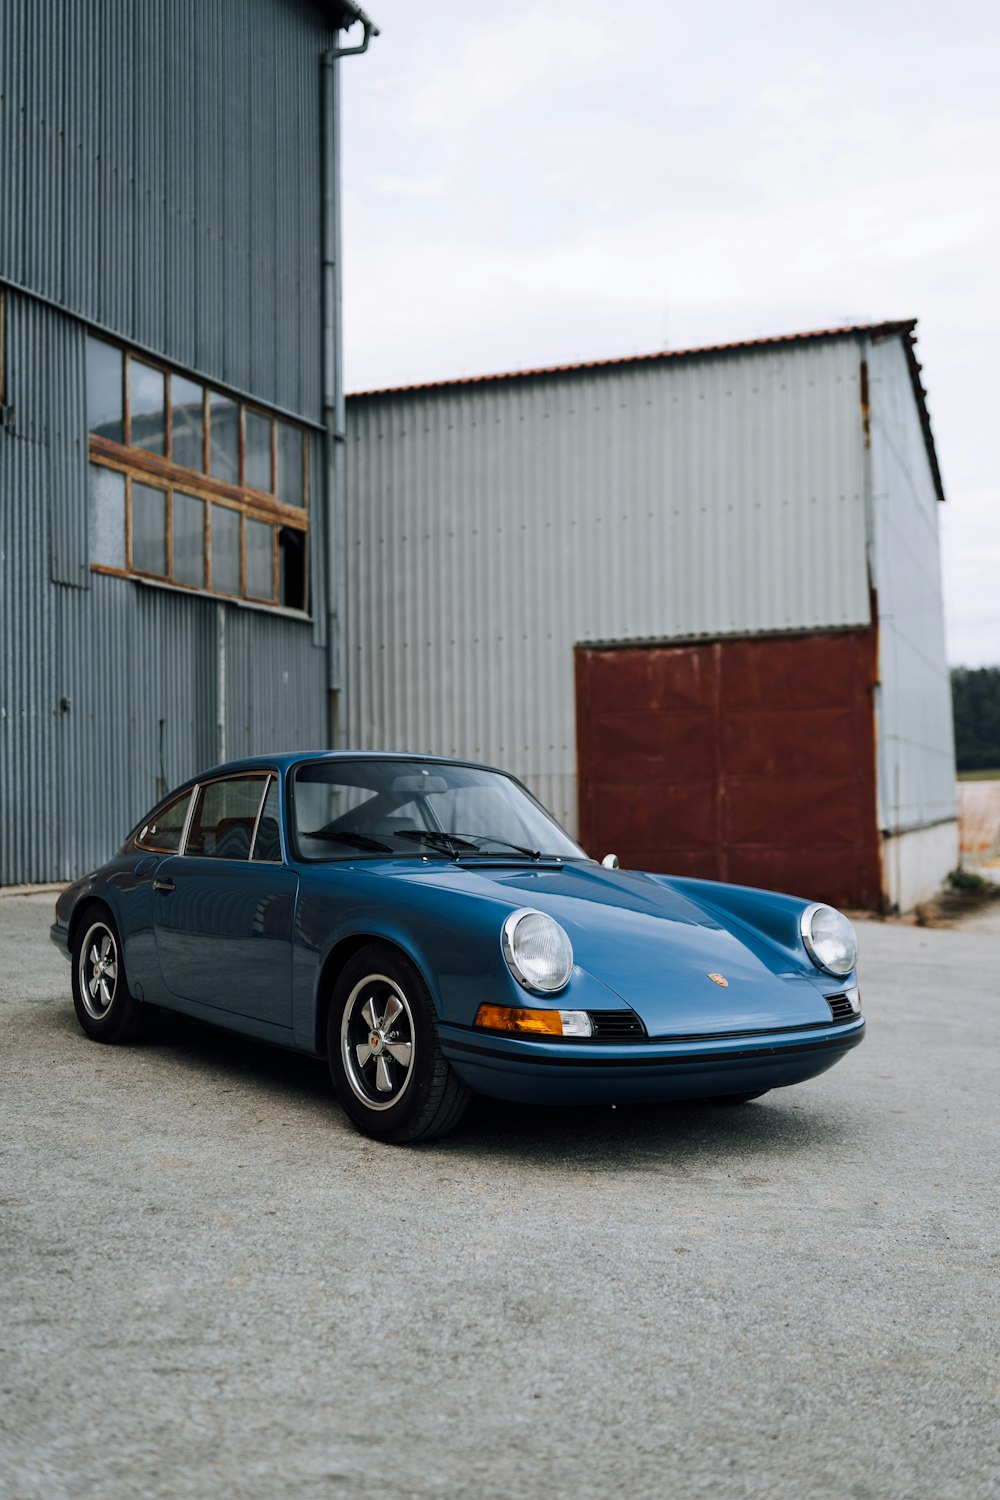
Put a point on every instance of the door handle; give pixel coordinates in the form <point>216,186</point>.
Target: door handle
<point>164,885</point>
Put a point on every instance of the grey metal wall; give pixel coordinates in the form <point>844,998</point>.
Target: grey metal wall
<point>916,746</point>
<point>160,177</point>
<point>108,694</point>
<point>493,527</point>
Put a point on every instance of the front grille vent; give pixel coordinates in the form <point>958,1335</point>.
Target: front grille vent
<point>617,1026</point>
<point>841,1007</point>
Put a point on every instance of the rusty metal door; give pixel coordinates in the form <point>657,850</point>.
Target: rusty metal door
<point>748,760</point>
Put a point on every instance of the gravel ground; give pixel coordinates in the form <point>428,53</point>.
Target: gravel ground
<point>211,1286</point>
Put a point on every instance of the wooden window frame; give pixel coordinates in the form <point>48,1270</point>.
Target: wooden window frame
<point>161,473</point>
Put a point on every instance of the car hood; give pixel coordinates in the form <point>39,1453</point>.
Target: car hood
<point>656,948</point>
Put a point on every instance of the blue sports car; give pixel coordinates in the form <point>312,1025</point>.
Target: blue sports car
<point>427,927</point>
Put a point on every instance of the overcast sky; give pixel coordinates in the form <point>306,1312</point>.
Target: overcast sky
<point>532,184</point>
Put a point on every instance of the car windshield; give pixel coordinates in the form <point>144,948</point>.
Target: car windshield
<point>346,808</point>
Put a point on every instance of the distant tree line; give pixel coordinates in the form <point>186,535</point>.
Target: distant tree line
<point>975,696</point>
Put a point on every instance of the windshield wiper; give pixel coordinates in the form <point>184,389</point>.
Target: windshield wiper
<point>463,843</point>
<point>488,838</point>
<point>451,843</point>
<point>355,840</point>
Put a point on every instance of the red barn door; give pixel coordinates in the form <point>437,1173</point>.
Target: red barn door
<point>747,760</point>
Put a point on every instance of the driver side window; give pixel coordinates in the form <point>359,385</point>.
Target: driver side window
<point>225,815</point>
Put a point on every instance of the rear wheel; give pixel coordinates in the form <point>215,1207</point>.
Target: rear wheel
<point>392,1078</point>
<point>101,999</point>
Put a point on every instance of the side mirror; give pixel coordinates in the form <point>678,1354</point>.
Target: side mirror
<point>610,862</point>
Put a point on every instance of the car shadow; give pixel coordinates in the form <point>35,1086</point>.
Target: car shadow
<point>628,1137</point>
<point>688,1133</point>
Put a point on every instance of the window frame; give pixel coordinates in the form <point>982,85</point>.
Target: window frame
<point>264,777</point>
<point>164,806</point>
<point>270,776</point>
<point>159,471</point>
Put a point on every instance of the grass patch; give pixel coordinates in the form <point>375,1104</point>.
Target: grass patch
<point>971,884</point>
<point>963,892</point>
<point>993,775</point>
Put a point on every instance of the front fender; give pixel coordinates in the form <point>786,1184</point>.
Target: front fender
<point>452,938</point>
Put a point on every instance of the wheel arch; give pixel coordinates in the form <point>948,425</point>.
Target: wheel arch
<point>88,903</point>
<point>340,954</point>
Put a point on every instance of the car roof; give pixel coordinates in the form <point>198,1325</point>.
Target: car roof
<point>288,758</point>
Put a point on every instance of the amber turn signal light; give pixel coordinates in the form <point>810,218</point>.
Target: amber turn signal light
<point>524,1022</point>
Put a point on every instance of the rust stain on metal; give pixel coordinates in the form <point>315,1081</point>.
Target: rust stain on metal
<point>866,406</point>
<point>750,760</point>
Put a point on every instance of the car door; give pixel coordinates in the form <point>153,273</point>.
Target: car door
<point>224,907</point>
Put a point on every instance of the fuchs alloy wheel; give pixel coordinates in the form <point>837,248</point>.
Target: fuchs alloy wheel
<point>104,1007</point>
<point>391,1076</point>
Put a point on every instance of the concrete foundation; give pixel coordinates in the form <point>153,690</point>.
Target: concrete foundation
<point>915,864</point>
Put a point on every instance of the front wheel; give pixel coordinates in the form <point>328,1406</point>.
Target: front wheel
<point>392,1078</point>
<point>101,999</point>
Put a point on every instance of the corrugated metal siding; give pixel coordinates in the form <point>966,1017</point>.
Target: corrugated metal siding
<point>160,177</point>
<point>492,528</point>
<point>108,695</point>
<point>29,814</point>
<point>916,736</point>
<point>64,404</point>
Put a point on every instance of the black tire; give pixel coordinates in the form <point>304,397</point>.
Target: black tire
<point>392,1079</point>
<point>101,999</point>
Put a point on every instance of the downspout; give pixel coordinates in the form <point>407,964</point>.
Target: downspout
<point>220,682</point>
<point>334,418</point>
<point>884,795</point>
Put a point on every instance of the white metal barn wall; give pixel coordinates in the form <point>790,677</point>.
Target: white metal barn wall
<point>916,749</point>
<point>493,526</point>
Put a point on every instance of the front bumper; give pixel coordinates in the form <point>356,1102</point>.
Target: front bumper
<point>543,1072</point>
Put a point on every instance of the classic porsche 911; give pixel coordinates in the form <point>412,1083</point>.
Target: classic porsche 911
<point>427,927</point>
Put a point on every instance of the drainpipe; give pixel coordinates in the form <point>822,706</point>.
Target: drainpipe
<point>333,373</point>
<point>220,682</point>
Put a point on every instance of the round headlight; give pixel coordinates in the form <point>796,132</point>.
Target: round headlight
<point>538,952</point>
<point>830,939</point>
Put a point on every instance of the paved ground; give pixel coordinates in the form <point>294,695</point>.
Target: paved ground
<point>211,1287</point>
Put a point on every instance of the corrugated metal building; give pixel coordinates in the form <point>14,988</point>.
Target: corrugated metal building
<point>692,599</point>
<point>170,404</point>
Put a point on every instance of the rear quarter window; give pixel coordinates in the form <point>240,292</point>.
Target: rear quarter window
<point>162,832</point>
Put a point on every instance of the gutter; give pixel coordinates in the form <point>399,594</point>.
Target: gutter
<point>334,420</point>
